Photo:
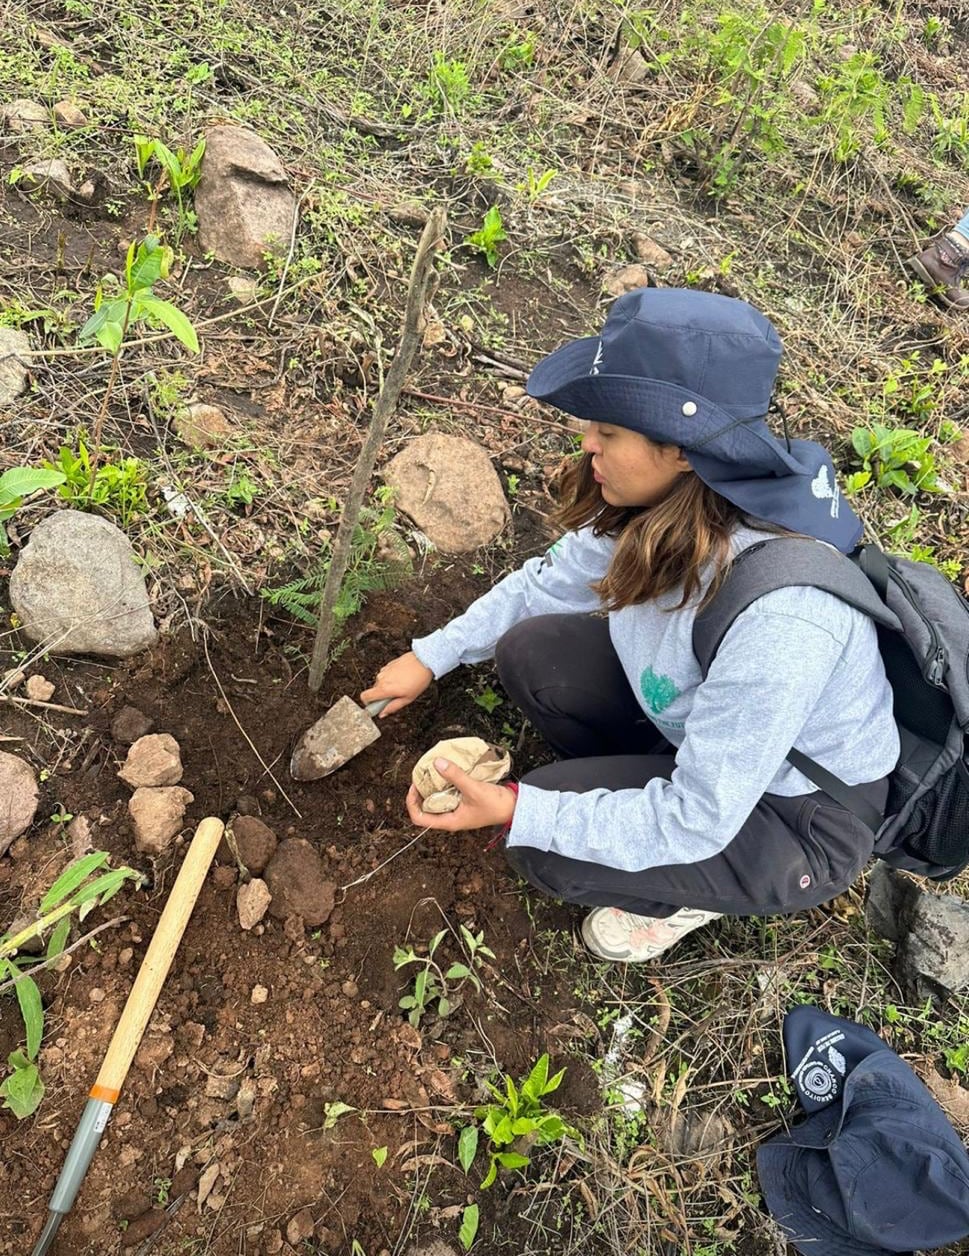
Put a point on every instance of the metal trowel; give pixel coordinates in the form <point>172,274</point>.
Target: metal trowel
<point>337,736</point>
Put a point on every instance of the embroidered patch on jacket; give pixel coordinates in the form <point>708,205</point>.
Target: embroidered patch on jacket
<point>658,691</point>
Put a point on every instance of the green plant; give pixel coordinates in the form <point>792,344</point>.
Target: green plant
<point>488,237</point>
<point>469,1226</point>
<point>448,86</point>
<point>432,983</point>
<point>518,1112</point>
<point>61,816</point>
<point>241,489</point>
<point>894,458</point>
<point>163,1186</point>
<point>378,560</point>
<point>518,53</point>
<point>478,160</point>
<point>117,488</point>
<point>534,185</point>
<point>951,137</point>
<point>16,485</point>
<point>180,170</point>
<point>77,889</point>
<point>145,264</point>
<point>488,700</point>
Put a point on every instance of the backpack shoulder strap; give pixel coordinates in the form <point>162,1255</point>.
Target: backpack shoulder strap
<point>783,562</point>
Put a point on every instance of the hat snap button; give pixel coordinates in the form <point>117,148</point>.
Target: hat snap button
<point>689,408</point>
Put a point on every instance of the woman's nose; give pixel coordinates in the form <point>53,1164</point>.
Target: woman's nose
<point>589,443</point>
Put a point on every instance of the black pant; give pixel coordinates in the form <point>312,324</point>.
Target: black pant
<point>790,854</point>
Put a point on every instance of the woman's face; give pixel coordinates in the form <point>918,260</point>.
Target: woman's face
<point>629,469</point>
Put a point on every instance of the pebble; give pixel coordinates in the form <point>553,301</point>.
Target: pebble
<point>259,994</point>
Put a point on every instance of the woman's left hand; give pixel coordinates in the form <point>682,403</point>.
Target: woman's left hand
<point>481,806</point>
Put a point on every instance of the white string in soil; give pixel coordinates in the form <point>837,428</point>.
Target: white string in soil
<point>390,858</point>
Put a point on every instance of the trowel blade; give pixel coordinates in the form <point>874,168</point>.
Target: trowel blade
<point>337,736</point>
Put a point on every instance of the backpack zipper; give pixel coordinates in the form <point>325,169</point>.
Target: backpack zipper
<point>933,669</point>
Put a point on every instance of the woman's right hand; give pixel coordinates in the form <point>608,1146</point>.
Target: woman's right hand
<point>402,680</point>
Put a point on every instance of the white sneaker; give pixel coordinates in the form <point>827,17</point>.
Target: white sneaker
<point>618,935</point>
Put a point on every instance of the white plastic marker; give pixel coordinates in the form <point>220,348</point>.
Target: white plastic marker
<point>137,1012</point>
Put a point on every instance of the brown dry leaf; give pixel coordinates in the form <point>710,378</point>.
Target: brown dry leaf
<point>950,1096</point>
<point>207,1181</point>
<point>409,1037</point>
<point>394,1105</point>
<point>441,1084</point>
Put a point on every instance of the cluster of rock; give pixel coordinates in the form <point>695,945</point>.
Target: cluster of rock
<point>153,769</point>
<point>286,878</point>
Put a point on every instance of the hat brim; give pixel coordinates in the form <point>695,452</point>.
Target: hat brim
<point>784,1173</point>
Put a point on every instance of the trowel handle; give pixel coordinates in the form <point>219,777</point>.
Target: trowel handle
<point>374,708</point>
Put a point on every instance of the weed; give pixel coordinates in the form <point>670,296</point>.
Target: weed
<point>448,86</point>
<point>518,53</point>
<point>61,816</point>
<point>241,489</point>
<point>378,560</point>
<point>534,185</point>
<point>489,236</point>
<point>518,1112</point>
<point>163,1187</point>
<point>431,985</point>
<point>16,485</point>
<point>894,458</point>
<point>117,489</point>
<point>478,160</point>
<point>76,889</point>
<point>488,700</point>
<point>180,170</point>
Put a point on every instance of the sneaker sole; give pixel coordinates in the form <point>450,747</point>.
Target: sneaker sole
<point>596,948</point>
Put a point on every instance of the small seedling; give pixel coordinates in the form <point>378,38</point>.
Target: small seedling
<point>119,489</point>
<point>488,700</point>
<point>146,263</point>
<point>488,237</point>
<point>517,1112</point>
<point>432,984</point>
<point>469,1226</point>
<point>180,170</point>
<point>76,889</point>
<point>16,485</point>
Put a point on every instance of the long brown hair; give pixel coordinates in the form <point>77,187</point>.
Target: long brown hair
<point>659,548</point>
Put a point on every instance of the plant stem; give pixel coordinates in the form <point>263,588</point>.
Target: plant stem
<point>423,279</point>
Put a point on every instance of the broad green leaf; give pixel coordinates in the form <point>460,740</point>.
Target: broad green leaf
<point>23,1090</point>
<point>166,313</point>
<point>491,1175</point>
<point>467,1146</point>
<point>553,1083</point>
<point>503,1132</point>
<point>108,884</point>
<point>524,1125</point>
<point>32,1010</point>
<point>443,1007</point>
<point>511,1160</point>
<point>20,482</point>
<point>71,878</point>
<point>58,938</point>
<point>469,1226</point>
<point>379,1155</point>
<point>538,1076</point>
<point>151,262</point>
<point>457,970</point>
<point>436,941</point>
<point>333,1111</point>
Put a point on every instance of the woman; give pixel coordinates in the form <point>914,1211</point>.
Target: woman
<point>674,803</point>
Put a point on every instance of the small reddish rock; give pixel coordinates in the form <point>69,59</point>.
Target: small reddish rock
<point>157,815</point>
<point>255,842</point>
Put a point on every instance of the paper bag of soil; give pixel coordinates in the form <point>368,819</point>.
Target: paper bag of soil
<point>476,757</point>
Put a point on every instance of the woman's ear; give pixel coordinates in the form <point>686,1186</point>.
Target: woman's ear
<point>680,462</point>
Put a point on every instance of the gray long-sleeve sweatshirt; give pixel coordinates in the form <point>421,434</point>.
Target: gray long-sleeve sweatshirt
<point>798,668</point>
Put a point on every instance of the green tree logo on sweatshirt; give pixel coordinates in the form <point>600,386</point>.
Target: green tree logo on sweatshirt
<point>658,691</point>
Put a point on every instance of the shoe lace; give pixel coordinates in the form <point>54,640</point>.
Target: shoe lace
<point>954,255</point>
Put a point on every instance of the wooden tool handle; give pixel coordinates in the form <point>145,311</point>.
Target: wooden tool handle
<point>158,959</point>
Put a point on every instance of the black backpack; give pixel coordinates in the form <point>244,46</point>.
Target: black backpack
<point>923,634</point>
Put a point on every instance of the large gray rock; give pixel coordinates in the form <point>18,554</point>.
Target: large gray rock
<point>22,117</point>
<point>78,589</point>
<point>448,486</point>
<point>18,798</point>
<point>51,176</point>
<point>243,202</point>
<point>14,364</point>
<point>934,959</point>
<point>931,933</point>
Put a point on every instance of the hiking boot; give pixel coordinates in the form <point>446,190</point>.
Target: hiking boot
<point>618,935</point>
<point>942,267</point>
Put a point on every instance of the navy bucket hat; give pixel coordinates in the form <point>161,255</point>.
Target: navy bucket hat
<point>876,1169</point>
<point>696,369</point>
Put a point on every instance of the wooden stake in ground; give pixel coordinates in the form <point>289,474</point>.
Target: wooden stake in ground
<point>423,280</point>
